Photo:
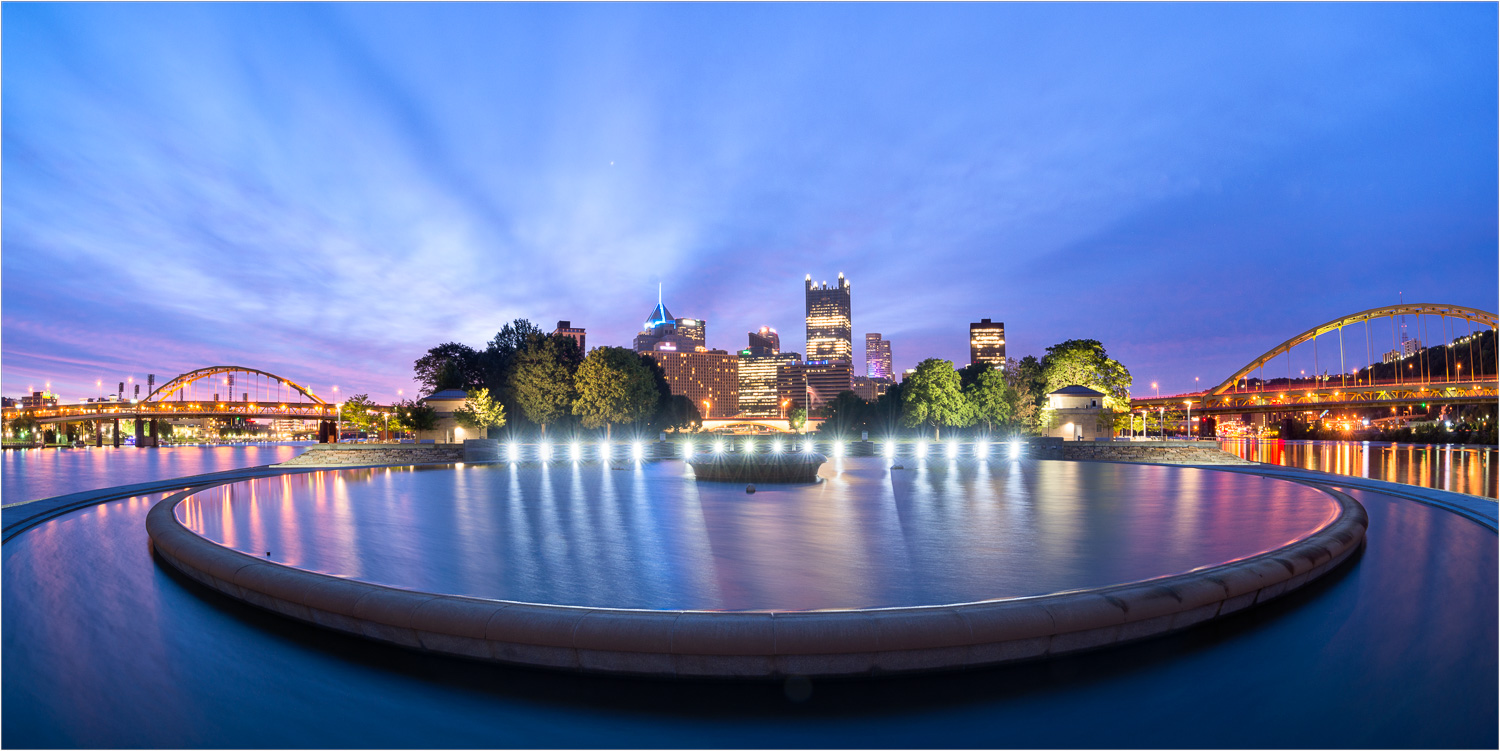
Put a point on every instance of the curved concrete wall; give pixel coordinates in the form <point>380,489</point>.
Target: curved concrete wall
<point>756,644</point>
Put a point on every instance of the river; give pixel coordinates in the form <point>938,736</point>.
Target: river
<point>1455,468</point>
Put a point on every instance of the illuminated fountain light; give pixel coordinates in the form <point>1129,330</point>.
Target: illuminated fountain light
<point>838,448</point>
<point>890,449</point>
<point>687,449</point>
<point>1015,449</point>
<point>808,447</point>
<point>749,445</point>
<point>776,446</point>
<point>981,449</point>
<point>921,449</point>
<point>604,451</point>
<point>953,449</point>
<point>544,451</point>
<point>575,451</point>
<point>718,447</point>
<point>637,451</point>
<point>512,451</point>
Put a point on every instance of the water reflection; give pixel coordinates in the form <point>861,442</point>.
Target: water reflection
<point>1457,468</point>
<point>29,474</point>
<point>650,536</point>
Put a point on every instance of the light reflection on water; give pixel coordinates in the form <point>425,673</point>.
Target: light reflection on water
<point>1457,468</point>
<point>29,474</point>
<point>650,536</point>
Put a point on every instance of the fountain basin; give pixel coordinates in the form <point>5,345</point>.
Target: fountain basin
<point>689,634</point>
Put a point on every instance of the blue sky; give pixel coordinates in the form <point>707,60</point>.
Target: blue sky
<point>325,191</point>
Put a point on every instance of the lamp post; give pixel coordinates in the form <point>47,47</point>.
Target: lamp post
<point>1161,417</point>
<point>387,416</point>
<point>338,430</point>
<point>1154,388</point>
<point>1189,404</point>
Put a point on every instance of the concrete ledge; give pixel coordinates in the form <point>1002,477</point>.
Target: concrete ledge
<point>363,454</point>
<point>1152,452</point>
<point>758,644</point>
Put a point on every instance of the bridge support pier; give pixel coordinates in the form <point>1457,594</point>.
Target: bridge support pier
<point>153,441</point>
<point>140,433</point>
<point>116,432</point>
<point>98,434</point>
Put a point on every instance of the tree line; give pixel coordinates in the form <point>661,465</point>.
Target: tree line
<point>526,379</point>
<point>982,398</point>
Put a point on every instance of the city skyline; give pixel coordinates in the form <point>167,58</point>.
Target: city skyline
<point>326,192</point>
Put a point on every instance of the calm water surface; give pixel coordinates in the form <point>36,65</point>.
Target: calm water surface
<point>29,474</point>
<point>105,648</point>
<point>650,536</point>
<point>1460,469</point>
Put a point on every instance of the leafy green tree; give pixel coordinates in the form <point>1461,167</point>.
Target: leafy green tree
<point>797,418</point>
<point>969,374</point>
<point>679,414</point>
<point>663,390</point>
<point>448,366</point>
<point>480,412</point>
<point>24,427</point>
<point>498,361</point>
<point>843,414</point>
<point>613,386</point>
<point>932,397</point>
<point>1027,384</point>
<point>1083,362</point>
<point>991,399</point>
<point>413,416</point>
<point>359,412</point>
<point>543,379</point>
<point>885,413</point>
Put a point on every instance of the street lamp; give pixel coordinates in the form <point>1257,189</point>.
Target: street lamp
<point>387,416</point>
<point>1189,404</point>
<point>1153,386</point>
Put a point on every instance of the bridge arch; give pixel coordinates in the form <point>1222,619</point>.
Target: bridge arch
<point>171,387</point>
<point>1482,317</point>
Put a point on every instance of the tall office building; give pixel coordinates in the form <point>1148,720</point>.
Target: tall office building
<point>878,358</point>
<point>764,342</point>
<point>565,328</point>
<point>987,342</point>
<point>711,379</point>
<point>759,375</point>
<point>812,384</point>
<point>830,330</point>
<point>663,332</point>
<point>870,389</point>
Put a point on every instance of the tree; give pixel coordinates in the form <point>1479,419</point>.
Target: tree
<point>663,389</point>
<point>1083,362</point>
<point>543,379</point>
<point>448,366</point>
<point>991,399</point>
<point>24,426</point>
<point>678,414</point>
<point>1027,385</point>
<point>497,363</point>
<point>886,411</point>
<point>480,412</point>
<point>413,416</point>
<point>797,418</point>
<point>842,414</point>
<point>969,374</point>
<point>932,396</point>
<point>613,386</point>
<point>358,411</point>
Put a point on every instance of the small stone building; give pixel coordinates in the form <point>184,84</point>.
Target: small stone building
<point>448,430</point>
<point>1074,414</point>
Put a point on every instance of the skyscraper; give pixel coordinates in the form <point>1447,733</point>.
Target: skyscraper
<point>663,332</point>
<point>812,384</point>
<point>830,329</point>
<point>987,342</point>
<point>758,380</point>
<point>878,358</point>
<point>764,342</point>
<point>710,379</point>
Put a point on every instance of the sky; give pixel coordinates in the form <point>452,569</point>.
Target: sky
<point>326,191</point>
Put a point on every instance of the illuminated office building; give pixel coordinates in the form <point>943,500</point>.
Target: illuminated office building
<point>830,331</point>
<point>664,332</point>
<point>878,358</point>
<point>712,377</point>
<point>987,342</point>
<point>758,379</point>
<point>870,389</point>
<point>812,384</point>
